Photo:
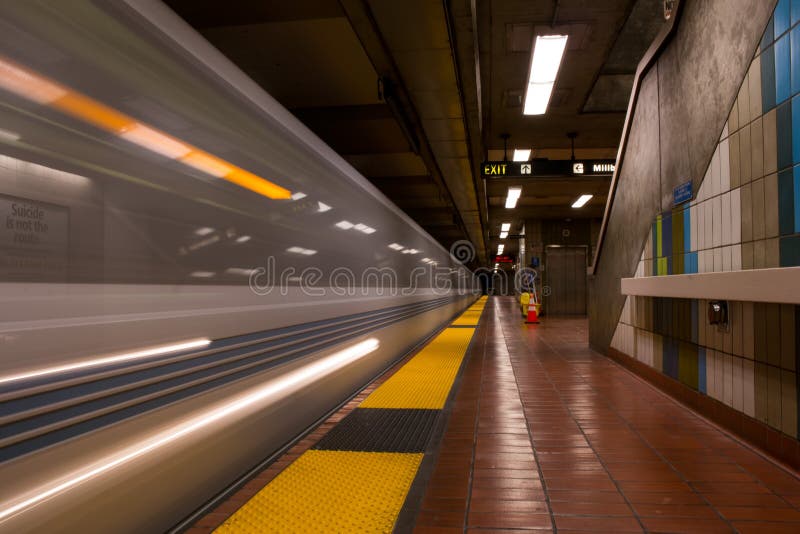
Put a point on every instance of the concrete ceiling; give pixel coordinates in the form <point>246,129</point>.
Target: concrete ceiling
<point>323,60</point>
<point>452,75</point>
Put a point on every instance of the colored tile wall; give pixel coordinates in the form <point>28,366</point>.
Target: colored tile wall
<point>745,215</point>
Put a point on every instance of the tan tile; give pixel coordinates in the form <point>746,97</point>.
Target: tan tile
<point>733,156</point>
<point>745,155</point>
<point>770,143</point>
<point>757,148</point>
<point>759,332</point>
<point>788,337</point>
<point>733,118</point>
<point>747,214</point>
<point>748,260</point>
<point>771,205</point>
<point>759,254</point>
<point>754,82</point>
<point>772,253</point>
<point>744,104</point>
<point>757,199</point>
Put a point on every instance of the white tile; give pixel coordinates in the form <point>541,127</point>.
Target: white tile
<point>716,204</point>
<point>736,258</point>
<point>726,218</point>
<point>702,193</point>
<point>738,385</point>
<point>716,185</point>
<point>736,216</point>
<point>727,258</point>
<point>725,131</point>
<point>748,388</point>
<point>725,165</point>
<point>709,224</point>
<point>718,267</point>
<point>693,225</point>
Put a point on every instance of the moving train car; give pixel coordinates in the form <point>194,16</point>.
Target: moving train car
<point>189,278</point>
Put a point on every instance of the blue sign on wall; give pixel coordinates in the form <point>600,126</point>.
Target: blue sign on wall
<point>682,193</point>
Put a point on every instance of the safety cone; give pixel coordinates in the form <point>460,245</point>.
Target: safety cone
<point>533,316</point>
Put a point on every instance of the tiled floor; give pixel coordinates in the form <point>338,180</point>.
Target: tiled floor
<point>546,434</point>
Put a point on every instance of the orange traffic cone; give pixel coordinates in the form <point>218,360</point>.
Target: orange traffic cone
<point>533,316</point>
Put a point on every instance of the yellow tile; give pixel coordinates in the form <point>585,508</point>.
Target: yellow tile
<point>330,491</point>
<point>425,381</point>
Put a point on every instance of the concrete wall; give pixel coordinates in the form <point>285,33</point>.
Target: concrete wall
<point>683,105</point>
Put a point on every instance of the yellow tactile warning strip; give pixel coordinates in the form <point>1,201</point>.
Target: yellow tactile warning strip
<point>355,490</point>
<point>331,491</point>
<point>425,381</point>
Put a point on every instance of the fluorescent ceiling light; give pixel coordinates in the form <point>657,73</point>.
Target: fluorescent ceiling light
<point>344,225</point>
<point>410,251</point>
<point>75,366</point>
<point>364,228</point>
<point>581,201</point>
<point>298,195</point>
<point>243,239</point>
<point>505,227</point>
<point>205,230</point>
<point>154,141</point>
<point>301,250</point>
<point>202,274</point>
<point>500,249</point>
<point>513,195</point>
<point>522,155</point>
<point>322,207</point>
<point>548,51</point>
<point>5,135</point>
<point>396,246</point>
<point>503,235</point>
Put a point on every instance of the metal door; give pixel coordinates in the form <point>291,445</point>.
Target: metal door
<point>565,276</point>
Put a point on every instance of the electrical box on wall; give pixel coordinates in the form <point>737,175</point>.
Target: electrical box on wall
<point>718,313</point>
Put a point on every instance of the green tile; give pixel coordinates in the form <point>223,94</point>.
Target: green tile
<point>744,104</point>
<point>759,254</point>
<point>754,80</point>
<point>733,118</point>
<point>687,364</point>
<point>757,148</point>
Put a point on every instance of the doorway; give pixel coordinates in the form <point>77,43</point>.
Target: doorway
<point>565,276</point>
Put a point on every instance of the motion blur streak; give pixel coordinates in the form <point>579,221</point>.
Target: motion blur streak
<point>36,88</point>
<point>303,375</point>
<point>155,351</point>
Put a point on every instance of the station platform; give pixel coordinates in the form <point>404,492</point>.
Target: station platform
<point>498,425</point>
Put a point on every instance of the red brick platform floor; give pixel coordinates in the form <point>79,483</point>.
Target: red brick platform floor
<point>547,435</point>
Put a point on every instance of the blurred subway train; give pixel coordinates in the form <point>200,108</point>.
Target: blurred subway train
<point>189,277</point>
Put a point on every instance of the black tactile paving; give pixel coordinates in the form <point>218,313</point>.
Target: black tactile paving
<point>381,430</point>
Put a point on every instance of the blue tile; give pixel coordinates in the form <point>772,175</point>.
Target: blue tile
<point>796,129</point>
<point>769,35</point>
<point>795,16</point>
<point>666,234</point>
<point>795,196</point>
<point>783,120</point>
<point>783,69</point>
<point>786,181</point>
<point>794,37</point>
<point>790,251</point>
<point>670,357</point>
<point>687,229</point>
<point>782,17</point>
<point>768,79</point>
<point>701,369</point>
